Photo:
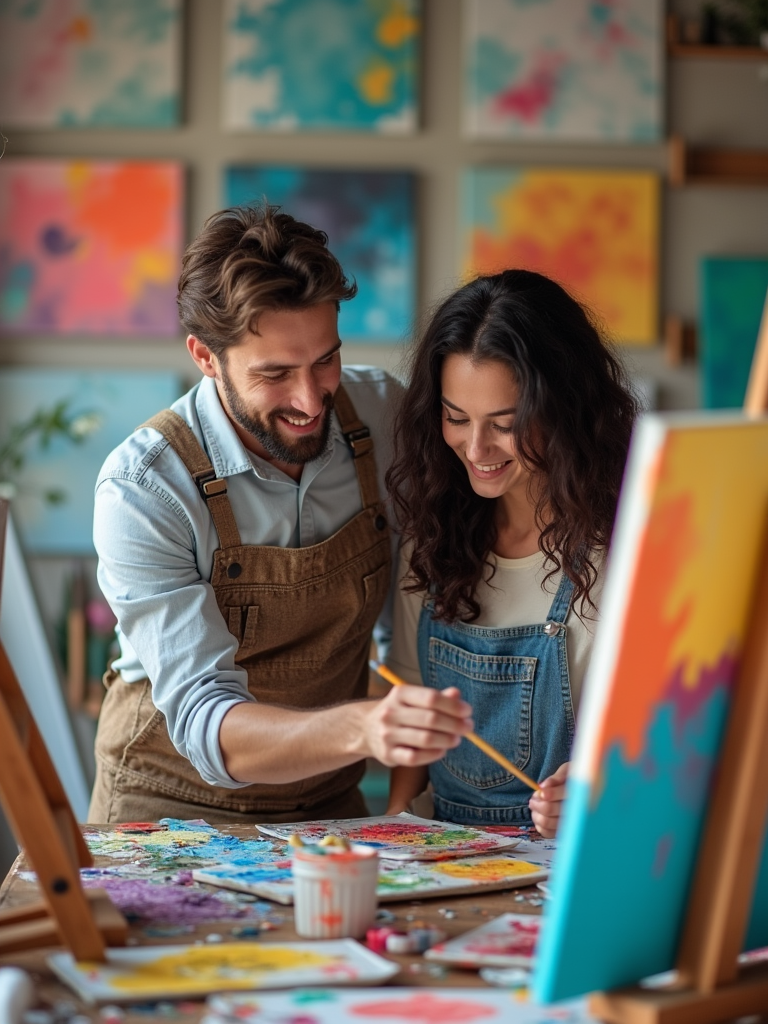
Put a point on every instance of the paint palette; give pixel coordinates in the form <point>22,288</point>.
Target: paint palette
<point>384,1005</point>
<point>506,941</point>
<point>399,836</point>
<point>397,880</point>
<point>171,972</point>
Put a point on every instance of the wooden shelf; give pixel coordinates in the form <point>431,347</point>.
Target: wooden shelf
<point>695,165</point>
<point>677,48</point>
<point>717,52</point>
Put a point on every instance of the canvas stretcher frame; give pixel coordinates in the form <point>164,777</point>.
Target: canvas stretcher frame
<point>44,826</point>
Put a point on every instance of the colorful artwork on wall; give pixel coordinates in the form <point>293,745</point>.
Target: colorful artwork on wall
<point>75,63</point>
<point>90,247</point>
<point>369,219</point>
<point>595,232</point>
<point>564,69</point>
<point>683,567</point>
<point>333,66</point>
<point>118,401</point>
<point>732,297</point>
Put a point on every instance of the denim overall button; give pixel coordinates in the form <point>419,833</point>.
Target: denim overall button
<point>234,570</point>
<point>380,522</point>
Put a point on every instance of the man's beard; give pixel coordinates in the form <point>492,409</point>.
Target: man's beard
<point>295,452</point>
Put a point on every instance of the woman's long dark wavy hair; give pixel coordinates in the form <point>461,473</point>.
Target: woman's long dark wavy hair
<point>574,417</point>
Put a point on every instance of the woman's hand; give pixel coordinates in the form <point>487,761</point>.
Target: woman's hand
<point>547,805</point>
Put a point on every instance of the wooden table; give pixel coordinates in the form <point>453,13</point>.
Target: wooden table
<point>465,913</point>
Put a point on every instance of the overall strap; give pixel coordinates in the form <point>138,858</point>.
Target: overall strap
<point>360,442</point>
<point>213,489</point>
<point>561,607</point>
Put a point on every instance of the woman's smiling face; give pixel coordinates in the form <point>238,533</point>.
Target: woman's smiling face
<point>479,401</point>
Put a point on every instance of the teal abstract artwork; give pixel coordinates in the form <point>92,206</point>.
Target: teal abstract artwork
<point>326,65</point>
<point>732,295</point>
<point>369,219</point>
<point>114,404</point>
<point>90,63</point>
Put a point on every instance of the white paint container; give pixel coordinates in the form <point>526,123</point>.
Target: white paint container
<point>334,893</point>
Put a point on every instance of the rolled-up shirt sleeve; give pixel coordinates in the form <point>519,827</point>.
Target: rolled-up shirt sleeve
<point>169,616</point>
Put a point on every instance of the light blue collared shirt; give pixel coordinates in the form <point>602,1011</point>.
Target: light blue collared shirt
<point>155,540</point>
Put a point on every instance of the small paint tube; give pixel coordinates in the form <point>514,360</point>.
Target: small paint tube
<point>376,938</point>
<point>425,938</point>
<point>397,942</point>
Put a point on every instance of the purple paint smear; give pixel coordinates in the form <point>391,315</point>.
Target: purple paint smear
<point>179,901</point>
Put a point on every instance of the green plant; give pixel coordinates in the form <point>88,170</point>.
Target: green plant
<point>43,426</point>
<point>742,20</point>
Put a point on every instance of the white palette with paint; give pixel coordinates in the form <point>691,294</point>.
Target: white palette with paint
<point>398,880</point>
<point>390,1005</point>
<point>506,941</point>
<point>143,974</point>
<point>399,837</point>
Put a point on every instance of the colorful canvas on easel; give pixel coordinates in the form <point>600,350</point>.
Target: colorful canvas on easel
<point>732,297</point>
<point>595,232</point>
<point>678,594</point>
<point>339,65</point>
<point>75,63</point>
<point>90,247</point>
<point>398,836</point>
<point>397,881</point>
<point>564,69</point>
<point>167,972</point>
<point>391,1006</point>
<point>370,222</point>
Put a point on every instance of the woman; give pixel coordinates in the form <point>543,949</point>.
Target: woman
<point>510,448</point>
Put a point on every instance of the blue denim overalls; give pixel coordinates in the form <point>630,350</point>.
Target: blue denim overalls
<point>517,682</point>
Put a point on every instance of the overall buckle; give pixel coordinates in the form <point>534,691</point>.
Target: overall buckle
<point>209,485</point>
<point>359,440</point>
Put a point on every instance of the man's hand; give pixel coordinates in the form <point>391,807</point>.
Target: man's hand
<point>415,725</point>
<point>546,807</point>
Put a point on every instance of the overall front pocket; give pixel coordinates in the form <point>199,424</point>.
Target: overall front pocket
<point>500,690</point>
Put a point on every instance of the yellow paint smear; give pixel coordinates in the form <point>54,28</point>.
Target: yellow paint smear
<point>488,870</point>
<point>203,968</point>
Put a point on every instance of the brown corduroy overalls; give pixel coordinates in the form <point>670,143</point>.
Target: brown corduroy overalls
<point>303,618</point>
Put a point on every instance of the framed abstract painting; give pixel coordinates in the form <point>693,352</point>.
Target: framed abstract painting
<point>339,65</point>
<point>80,64</point>
<point>90,247</point>
<point>370,222</point>
<point>575,70</point>
<point>596,232</point>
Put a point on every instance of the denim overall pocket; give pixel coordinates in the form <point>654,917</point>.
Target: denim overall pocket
<point>500,690</point>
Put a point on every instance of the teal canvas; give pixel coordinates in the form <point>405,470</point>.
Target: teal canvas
<point>119,401</point>
<point>732,293</point>
<point>323,65</point>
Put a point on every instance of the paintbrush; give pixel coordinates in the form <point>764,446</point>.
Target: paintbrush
<point>480,743</point>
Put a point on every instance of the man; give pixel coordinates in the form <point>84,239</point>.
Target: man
<point>244,547</point>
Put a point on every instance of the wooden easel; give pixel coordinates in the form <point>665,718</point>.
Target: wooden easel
<point>711,984</point>
<point>42,821</point>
